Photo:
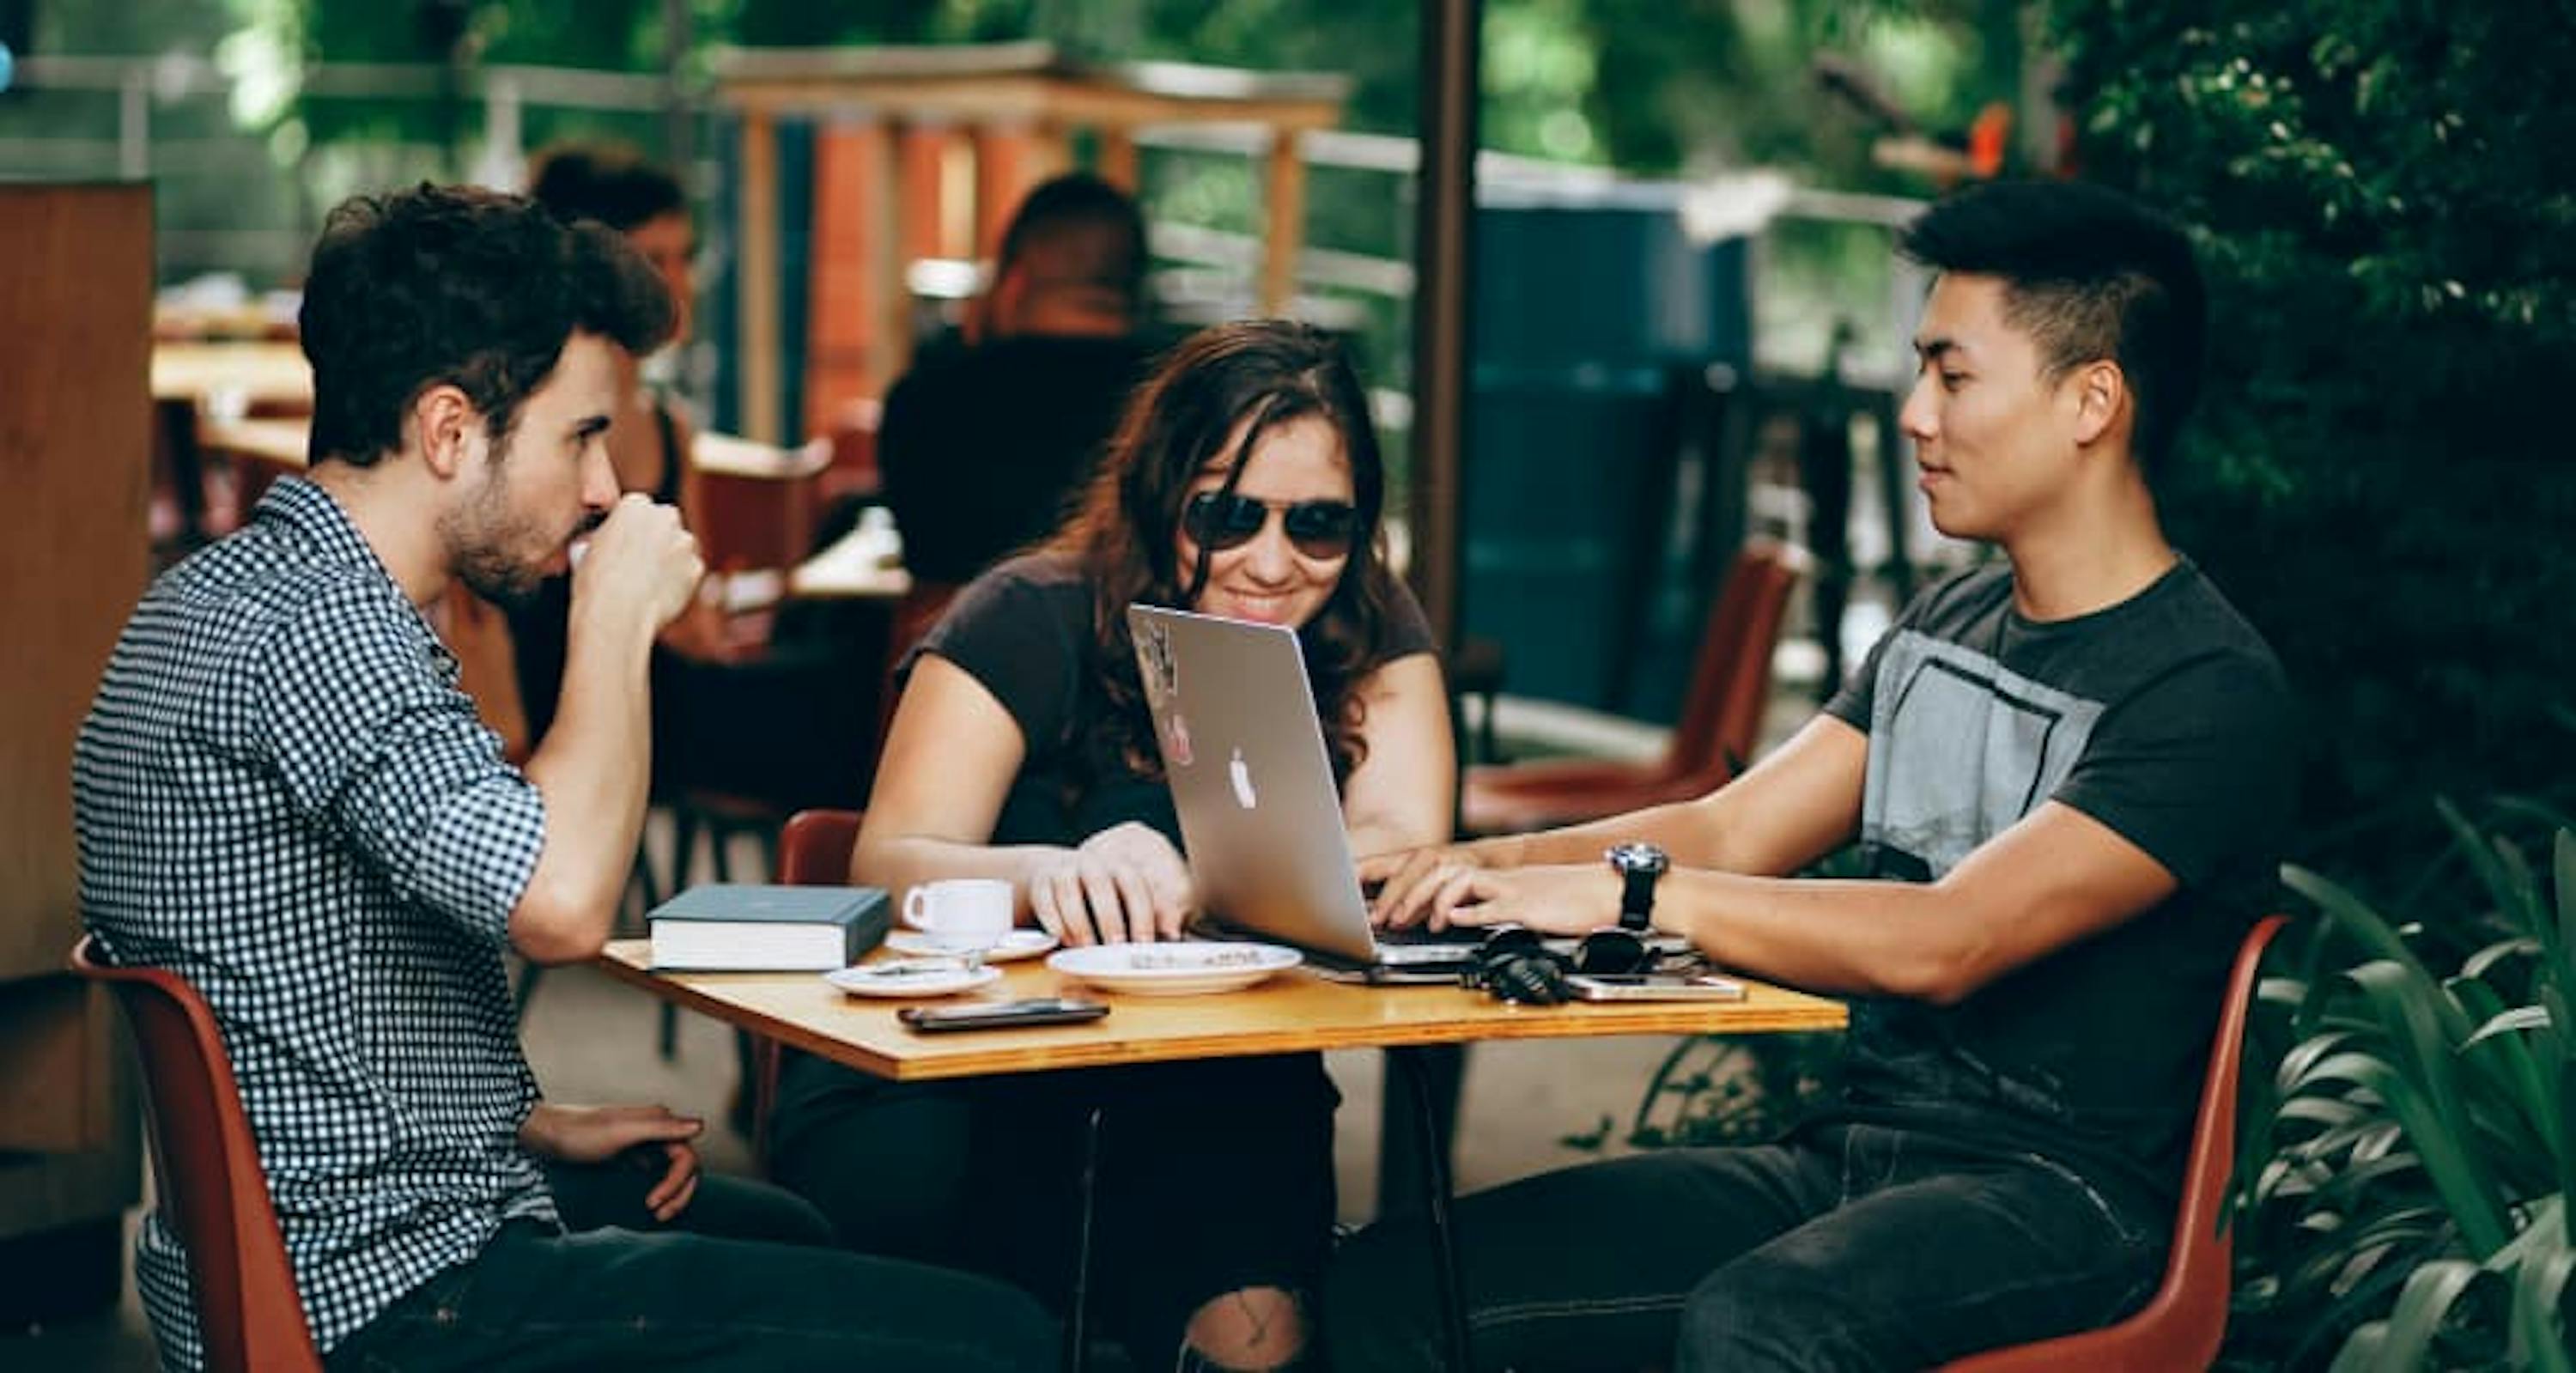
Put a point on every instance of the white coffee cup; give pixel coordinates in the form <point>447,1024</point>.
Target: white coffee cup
<point>966,914</point>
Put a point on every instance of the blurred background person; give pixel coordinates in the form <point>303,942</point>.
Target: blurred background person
<point>984,446</point>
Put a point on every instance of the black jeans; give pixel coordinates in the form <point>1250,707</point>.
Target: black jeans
<point>1846,1247</point>
<point>597,1196</point>
<point>1215,1176</point>
<point>696,1295</point>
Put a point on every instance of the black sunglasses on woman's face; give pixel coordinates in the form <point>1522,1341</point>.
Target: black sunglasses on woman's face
<point>1222,520</point>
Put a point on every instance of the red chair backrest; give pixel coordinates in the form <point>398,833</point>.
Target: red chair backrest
<point>2182,1325</point>
<point>853,431</point>
<point>207,1174</point>
<point>750,523</point>
<point>814,848</point>
<point>1730,681</point>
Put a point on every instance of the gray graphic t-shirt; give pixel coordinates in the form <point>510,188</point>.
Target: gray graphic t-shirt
<point>2165,718</point>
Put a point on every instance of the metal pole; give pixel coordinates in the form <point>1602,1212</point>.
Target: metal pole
<point>1444,272</point>
<point>1458,1350</point>
<point>1443,276</point>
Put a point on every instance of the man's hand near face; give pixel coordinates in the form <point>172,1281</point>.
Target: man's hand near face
<point>642,565</point>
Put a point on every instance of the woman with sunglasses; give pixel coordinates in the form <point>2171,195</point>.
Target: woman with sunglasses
<point>1246,482</point>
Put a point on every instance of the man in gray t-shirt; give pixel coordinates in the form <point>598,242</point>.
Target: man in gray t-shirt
<point>2067,774</point>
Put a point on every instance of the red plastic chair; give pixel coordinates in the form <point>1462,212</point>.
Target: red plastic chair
<point>2183,1324</point>
<point>1722,722</point>
<point>207,1173</point>
<point>852,428</point>
<point>813,851</point>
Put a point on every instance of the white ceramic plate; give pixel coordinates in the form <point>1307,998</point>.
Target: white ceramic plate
<point>912,977</point>
<point>1017,944</point>
<point>1173,969</point>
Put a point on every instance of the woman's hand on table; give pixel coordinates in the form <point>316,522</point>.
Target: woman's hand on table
<point>1126,884</point>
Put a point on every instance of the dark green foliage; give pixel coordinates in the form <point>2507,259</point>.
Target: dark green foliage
<point>2379,479</point>
<point>2409,1162</point>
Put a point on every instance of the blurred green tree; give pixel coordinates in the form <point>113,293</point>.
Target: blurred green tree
<point>2388,196</point>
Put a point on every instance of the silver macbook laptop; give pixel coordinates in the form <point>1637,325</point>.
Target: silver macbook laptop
<point>1250,777</point>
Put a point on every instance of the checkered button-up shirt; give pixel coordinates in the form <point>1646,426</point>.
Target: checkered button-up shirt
<point>283,797</point>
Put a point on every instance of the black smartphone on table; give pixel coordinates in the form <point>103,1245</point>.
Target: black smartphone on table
<point>999,1015</point>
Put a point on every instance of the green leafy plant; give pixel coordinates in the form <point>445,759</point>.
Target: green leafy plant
<point>1734,1091</point>
<point>2410,1164</point>
<point>2380,192</point>
<point>1712,1089</point>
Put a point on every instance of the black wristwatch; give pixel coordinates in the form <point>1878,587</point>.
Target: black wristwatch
<point>1638,866</point>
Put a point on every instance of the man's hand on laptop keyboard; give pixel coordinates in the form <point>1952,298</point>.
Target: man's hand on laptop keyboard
<point>1418,886</point>
<point>1126,884</point>
<point>1560,900</point>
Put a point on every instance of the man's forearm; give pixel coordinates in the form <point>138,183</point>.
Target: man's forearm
<point>1836,937</point>
<point>592,769</point>
<point>1679,828</point>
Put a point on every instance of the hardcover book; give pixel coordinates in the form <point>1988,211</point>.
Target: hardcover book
<point>761,927</point>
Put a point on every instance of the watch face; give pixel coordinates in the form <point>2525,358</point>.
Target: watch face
<point>1639,857</point>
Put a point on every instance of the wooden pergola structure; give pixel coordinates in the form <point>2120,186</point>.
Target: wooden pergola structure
<point>896,120</point>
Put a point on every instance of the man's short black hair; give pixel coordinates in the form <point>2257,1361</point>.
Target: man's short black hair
<point>607,182</point>
<point>455,284</point>
<point>1077,230</point>
<point>2090,274</point>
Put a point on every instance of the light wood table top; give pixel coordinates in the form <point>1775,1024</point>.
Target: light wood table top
<point>1296,1011</point>
<point>277,442</point>
<point>728,456</point>
<point>864,565</point>
<point>256,373</point>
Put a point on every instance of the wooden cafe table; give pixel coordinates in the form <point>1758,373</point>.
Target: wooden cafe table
<point>193,381</point>
<point>1296,1011</point>
<point>232,376</point>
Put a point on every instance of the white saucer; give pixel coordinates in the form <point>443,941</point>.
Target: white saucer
<point>1017,944</point>
<point>912,977</point>
<point>1184,969</point>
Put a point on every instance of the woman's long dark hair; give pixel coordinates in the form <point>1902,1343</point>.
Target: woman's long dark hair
<point>1176,426</point>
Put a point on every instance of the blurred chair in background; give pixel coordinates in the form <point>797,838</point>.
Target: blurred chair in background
<point>1720,726</point>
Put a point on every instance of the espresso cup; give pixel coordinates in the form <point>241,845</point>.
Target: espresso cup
<point>965,914</point>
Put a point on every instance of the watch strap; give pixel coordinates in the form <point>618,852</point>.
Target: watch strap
<point>1637,899</point>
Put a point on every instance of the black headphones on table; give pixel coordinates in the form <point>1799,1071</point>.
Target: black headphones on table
<point>1515,964</point>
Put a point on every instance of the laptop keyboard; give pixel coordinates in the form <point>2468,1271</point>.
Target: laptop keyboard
<point>1401,948</point>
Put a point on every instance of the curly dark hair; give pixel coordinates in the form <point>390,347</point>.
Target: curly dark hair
<point>608,182</point>
<point>460,286</point>
<point>1176,426</point>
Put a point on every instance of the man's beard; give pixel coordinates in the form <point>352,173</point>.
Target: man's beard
<point>494,576</point>
<point>480,541</point>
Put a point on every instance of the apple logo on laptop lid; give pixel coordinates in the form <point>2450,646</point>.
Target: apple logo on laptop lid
<point>1242,774</point>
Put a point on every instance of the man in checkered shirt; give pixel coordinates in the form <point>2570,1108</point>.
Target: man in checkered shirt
<point>284,798</point>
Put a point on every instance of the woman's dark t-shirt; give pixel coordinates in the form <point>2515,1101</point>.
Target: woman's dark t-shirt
<point>1023,630</point>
